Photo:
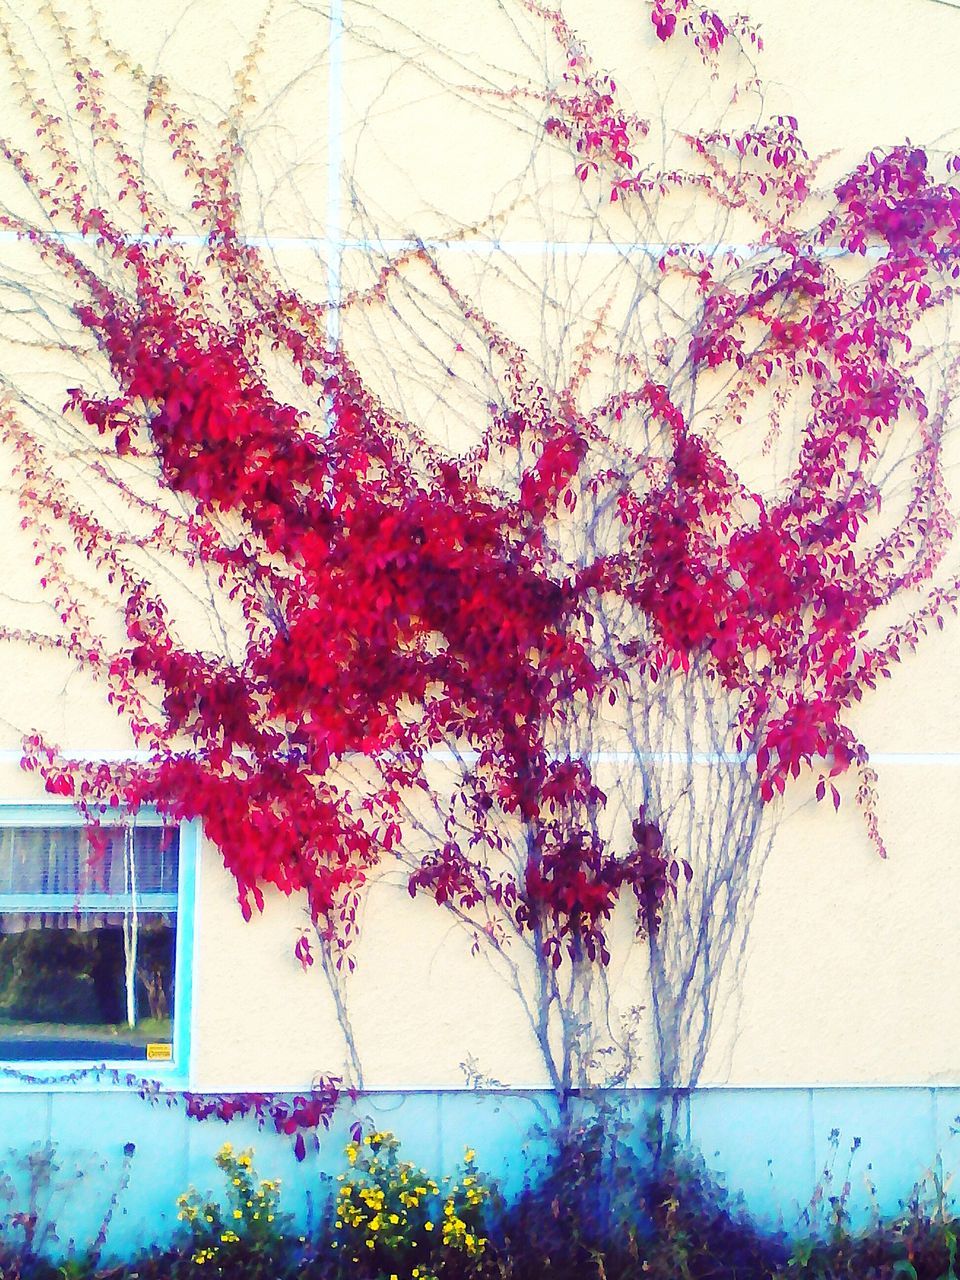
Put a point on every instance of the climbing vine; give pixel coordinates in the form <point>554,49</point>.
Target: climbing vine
<point>556,650</point>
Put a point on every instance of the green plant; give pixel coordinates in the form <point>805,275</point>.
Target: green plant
<point>395,1221</point>
<point>247,1233</point>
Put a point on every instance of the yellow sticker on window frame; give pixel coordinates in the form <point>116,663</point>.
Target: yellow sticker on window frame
<point>159,1052</point>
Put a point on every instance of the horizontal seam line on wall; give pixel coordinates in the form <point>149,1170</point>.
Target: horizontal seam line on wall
<point>389,245</point>
<point>12,755</point>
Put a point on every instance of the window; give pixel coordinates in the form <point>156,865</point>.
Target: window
<point>91,943</point>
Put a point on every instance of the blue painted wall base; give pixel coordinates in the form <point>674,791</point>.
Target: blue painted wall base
<point>771,1145</point>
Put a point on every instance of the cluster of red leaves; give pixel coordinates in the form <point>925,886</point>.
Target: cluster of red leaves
<point>397,601</point>
<point>706,30</point>
<point>292,1116</point>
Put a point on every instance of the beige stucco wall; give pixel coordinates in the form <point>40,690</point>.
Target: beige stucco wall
<point>853,969</point>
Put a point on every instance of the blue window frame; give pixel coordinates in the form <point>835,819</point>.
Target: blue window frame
<point>96,941</point>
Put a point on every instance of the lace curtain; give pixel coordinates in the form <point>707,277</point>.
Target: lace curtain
<point>87,882</point>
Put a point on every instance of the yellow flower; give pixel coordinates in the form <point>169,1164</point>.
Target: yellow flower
<point>428,1226</point>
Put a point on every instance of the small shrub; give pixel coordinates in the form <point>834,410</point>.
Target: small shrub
<point>248,1235</point>
<point>397,1222</point>
<point>33,1187</point>
<point>604,1204</point>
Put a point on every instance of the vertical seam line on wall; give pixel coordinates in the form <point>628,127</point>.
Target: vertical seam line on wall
<point>334,232</point>
<point>935,1120</point>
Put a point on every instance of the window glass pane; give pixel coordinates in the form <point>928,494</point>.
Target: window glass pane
<point>86,986</point>
<point>71,862</point>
